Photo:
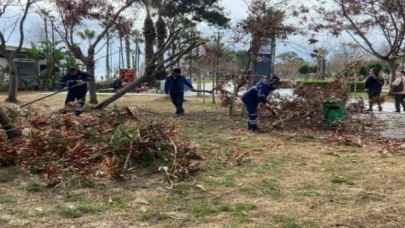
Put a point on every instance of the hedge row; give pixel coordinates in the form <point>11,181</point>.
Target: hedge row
<point>359,86</point>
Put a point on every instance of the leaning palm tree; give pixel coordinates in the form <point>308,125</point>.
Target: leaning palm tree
<point>88,35</point>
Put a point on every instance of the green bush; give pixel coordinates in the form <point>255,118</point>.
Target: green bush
<point>359,87</point>
<point>103,85</point>
<point>316,83</point>
<point>157,83</point>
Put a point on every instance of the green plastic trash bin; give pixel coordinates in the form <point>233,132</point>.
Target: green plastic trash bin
<point>332,110</point>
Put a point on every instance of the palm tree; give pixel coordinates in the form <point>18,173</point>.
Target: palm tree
<point>148,32</point>
<point>108,44</point>
<point>161,34</point>
<point>44,14</point>
<point>128,49</point>
<point>137,39</point>
<point>88,35</point>
<point>48,54</point>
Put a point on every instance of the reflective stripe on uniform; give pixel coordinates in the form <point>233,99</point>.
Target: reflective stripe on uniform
<point>79,109</point>
<point>253,122</point>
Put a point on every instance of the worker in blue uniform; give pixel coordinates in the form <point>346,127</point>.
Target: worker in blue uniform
<point>174,85</point>
<point>75,81</point>
<point>255,95</point>
<point>117,84</point>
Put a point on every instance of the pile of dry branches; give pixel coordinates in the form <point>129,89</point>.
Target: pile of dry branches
<point>105,144</point>
<point>304,108</point>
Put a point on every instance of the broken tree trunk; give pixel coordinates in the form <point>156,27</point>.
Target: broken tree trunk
<point>11,130</point>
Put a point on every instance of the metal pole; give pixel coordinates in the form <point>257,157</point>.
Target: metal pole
<point>204,89</point>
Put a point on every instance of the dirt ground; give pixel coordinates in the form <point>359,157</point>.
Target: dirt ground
<point>292,179</point>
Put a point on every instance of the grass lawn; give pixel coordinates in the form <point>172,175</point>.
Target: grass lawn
<point>292,179</point>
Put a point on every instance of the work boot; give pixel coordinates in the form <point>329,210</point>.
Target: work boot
<point>257,130</point>
<point>370,109</point>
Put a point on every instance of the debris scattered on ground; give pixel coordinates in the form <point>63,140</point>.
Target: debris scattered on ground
<point>103,144</point>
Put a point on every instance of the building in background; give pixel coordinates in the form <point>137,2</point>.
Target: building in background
<point>27,71</point>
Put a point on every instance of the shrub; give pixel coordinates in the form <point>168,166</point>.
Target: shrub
<point>103,85</point>
<point>323,84</point>
<point>316,83</point>
<point>359,87</point>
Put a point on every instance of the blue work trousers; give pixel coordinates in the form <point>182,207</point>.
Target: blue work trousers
<point>252,116</point>
<point>79,95</point>
<point>177,100</point>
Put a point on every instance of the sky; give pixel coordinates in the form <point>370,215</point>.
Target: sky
<point>236,10</point>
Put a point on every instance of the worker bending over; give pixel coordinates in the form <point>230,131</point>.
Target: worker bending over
<point>255,95</point>
<point>76,82</point>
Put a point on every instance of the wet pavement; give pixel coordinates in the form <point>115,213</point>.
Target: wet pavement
<point>395,122</point>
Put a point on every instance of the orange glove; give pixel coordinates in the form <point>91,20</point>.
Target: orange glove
<point>268,107</point>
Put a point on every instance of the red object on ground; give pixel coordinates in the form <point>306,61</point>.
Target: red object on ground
<point>127,74</point>
<point>141,90</point>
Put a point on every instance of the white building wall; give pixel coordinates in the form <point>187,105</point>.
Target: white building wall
<point>26,70</point>
<point>3,74</point>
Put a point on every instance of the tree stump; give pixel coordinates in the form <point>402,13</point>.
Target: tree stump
<point>11,130</point>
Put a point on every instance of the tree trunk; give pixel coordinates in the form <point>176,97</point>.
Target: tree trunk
<point>174,47</point>
<point>393,68</point>
<point>213,86</point>
<point>136,59</point>
<point>49,70</point>
<point>11,130</point>
<point>46,28</point>
<point>128,51</point>
<point>122,54</point>
<point>146,77</point>
<point>36,67</point>
<point>161,35</point>
<point>273,54</point>
<point>13,87</point>
<point>92,87</point>
<point>107,59</point>
<point>150,36</point>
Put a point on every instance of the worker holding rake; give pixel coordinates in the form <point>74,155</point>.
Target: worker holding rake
<point>255,95</point>
<point>75,81</point>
